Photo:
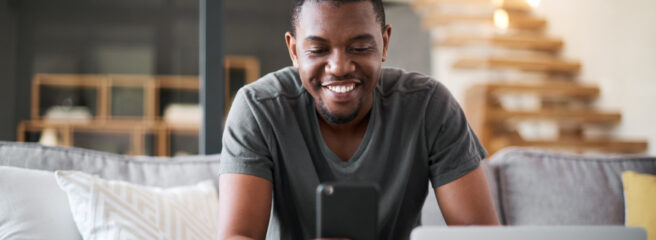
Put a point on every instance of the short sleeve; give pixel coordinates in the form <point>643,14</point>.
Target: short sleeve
<point>454,148</point>
<point>245,149</point>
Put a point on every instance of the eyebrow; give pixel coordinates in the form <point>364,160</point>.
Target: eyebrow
<point>316,39</point>
<point>364,36</point>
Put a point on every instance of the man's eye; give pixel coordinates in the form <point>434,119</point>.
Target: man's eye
<point>317,51</point>
<point>361,50</point>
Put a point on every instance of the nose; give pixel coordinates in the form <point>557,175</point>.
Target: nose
<point>339,64</point>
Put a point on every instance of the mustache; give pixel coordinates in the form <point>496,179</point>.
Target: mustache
<point>344,77</point>
<point>349,76</point>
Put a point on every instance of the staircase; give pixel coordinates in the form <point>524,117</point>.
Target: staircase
<point>529,95</point>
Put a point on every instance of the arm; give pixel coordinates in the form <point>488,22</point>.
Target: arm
<point>467,200</point>
<point>245,206</point>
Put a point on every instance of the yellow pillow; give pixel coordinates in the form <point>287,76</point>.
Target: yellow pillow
<point>640,201</point>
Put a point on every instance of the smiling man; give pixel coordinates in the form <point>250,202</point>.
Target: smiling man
<point>337,115</point>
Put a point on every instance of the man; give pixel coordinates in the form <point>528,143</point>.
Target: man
<point>338,116</point>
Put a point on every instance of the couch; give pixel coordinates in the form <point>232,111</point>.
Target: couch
<point>529,186</point>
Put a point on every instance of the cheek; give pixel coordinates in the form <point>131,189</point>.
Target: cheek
<point>310,65</point>
<point>312,71</point>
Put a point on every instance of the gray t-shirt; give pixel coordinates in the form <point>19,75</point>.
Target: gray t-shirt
<point>417,132</point>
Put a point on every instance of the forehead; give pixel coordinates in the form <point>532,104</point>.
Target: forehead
<point>329,19</point>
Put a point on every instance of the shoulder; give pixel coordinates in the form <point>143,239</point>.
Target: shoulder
<point>395,80</point>
<point>416,89</point>
<point>282,83</point>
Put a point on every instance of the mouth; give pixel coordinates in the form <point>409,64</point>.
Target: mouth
<point>341,91</point>
<point>341,88</point>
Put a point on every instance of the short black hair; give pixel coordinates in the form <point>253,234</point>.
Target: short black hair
<point>296,9</point>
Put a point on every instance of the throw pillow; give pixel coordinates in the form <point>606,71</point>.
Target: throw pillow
<point>640,201</point>
<point>105,209</point>
<point>33,207</point>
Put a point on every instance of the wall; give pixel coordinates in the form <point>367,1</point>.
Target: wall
<point>409,43</point>
<point>616,44</point>
<point>7,73</point>
<point>255,27</point>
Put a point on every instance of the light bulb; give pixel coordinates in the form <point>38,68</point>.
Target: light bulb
<point>501,19</point>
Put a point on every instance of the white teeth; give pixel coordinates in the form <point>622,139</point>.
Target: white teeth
<point>342,88</point>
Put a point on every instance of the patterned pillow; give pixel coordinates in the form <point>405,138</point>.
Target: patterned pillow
<point>105,209</point>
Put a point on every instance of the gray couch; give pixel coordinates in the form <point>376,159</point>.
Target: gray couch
<point>534,187</point>
<point>149,171</point>
<point>530,187</point>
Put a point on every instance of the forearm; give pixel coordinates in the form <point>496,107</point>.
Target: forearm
<point>245,203</point>
<point>467,201</point>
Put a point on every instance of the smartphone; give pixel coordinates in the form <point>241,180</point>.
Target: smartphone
<point>347,210</point>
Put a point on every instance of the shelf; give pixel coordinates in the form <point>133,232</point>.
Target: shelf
<point>68,91</point>
<point>183,143</point>
<point>106,141</point>
<point>120,136</point>
<point>126,111</point>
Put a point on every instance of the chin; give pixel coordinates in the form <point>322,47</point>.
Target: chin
<point>338,117</point>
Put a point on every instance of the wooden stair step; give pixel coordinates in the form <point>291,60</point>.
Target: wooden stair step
<point>554,89</point>
<point>524,63</point>
<point>531,42</point>
<point>516,5</point>
<point>560,115</point>
<point>603,145</point>
<point>515,21</point>
<point>510,5</point>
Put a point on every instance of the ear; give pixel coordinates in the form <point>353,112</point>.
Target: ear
<point>386,38</point>
<point>291,47</point>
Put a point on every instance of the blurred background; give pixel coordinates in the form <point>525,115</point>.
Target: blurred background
<point>123,76</point>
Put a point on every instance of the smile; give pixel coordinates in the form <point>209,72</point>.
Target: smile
<point>344,88</point>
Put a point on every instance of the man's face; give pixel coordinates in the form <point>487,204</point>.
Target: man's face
<point>338,51</point>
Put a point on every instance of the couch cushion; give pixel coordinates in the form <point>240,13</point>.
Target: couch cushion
<point>41,209</point>
<point>491,177</point>
<point>151,171</point>
<point>545,188</point>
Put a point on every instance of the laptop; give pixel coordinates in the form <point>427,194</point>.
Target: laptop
<point>529,233</point>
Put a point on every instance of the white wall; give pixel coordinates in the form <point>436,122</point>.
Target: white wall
<point>616,44</point>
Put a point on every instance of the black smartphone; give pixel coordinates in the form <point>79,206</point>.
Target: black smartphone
<point>347,210</point>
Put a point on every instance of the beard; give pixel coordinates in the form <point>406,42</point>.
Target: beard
<point>338,119</point>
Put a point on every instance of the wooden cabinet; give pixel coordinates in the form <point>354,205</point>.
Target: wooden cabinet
<point>125,114</point>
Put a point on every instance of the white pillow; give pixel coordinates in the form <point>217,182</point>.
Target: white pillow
<point>33,207</point>
<point>105,209</point>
